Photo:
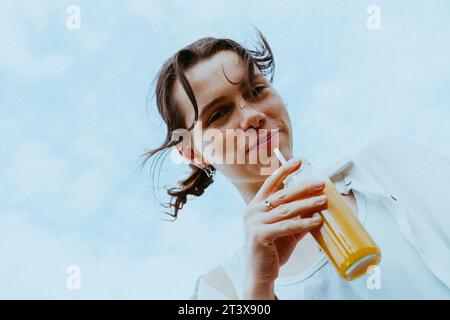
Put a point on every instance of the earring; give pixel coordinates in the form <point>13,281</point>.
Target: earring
<point>242,106</point>
<point>209,171</point>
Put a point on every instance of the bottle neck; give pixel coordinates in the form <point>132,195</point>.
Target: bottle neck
<point>305,163</point>
<point>304,166</point>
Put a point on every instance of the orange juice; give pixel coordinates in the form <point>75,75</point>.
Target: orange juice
<point>348,245</point>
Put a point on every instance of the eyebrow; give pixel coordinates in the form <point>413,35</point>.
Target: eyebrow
<point>211,104</point>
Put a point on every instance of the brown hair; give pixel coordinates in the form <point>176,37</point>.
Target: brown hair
<point>173,69</point>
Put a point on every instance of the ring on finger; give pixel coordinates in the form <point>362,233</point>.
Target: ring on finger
<point>268,204</point>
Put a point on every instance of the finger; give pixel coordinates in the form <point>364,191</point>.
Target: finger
<point>272,183</point>
<point>302,208</point>
<point>299,235</point>
<point>286,195</point>
<point>270,232</point>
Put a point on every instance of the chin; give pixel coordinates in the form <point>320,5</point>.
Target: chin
<point>285,146</point>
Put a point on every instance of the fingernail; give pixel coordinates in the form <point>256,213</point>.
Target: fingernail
<point>321,199</point>
<point>293,162</point>
<point>318,186</point>
<point>316,216</point>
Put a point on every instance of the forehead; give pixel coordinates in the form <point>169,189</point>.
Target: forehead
<point>208,81</point>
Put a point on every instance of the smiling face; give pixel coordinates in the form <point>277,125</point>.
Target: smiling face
<point>221,117</point>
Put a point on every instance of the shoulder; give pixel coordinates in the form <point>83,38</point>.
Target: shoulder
<point>404,153</point>
<point>224,280</point>
<point>218,279</point>
<point>397,144</point>
<point>215,284</point>
<point>386,143</point>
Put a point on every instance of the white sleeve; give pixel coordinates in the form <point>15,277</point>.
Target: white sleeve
<point>421,173</point>
<point>420,178</point>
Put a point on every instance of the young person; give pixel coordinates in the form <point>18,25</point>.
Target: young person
<point>398,188</point>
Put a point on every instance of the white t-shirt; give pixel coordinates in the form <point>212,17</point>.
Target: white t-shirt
<point>401,273</point>
<point>401,189</point>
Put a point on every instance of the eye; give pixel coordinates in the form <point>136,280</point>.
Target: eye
<point>260,89</point>
<point>217,115</point>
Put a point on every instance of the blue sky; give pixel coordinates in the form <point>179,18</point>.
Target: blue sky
<point>74,120</point>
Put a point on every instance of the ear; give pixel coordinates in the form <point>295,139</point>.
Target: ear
<point>191,155</point>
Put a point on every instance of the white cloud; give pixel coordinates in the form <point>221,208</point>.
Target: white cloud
<point>35,260</point>
<point>17,18</point>
<point>87,194</point>
<point>35,174</point>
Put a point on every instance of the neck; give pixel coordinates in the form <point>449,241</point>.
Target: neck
<point>248,190</point>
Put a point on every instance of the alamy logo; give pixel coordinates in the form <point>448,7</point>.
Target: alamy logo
<point>73,281</point>
<point>74,19</point>
<point>374,279</point>
<point>374,19</point>
<point>231,146</point>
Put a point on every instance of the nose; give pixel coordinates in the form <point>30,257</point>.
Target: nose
<point>251,117</point>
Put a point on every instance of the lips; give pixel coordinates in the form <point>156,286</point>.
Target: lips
<point>259,142</point>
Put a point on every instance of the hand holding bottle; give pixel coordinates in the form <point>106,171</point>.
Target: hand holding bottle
<point>271,233</point>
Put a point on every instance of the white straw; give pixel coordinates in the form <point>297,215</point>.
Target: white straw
<point>279,155</point>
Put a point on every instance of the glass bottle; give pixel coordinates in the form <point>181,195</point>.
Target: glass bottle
<point>348,245</point>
